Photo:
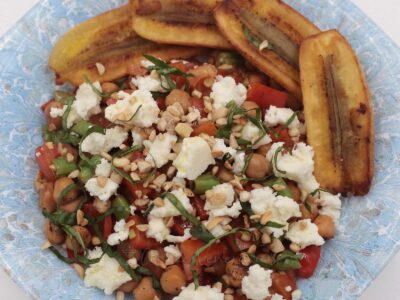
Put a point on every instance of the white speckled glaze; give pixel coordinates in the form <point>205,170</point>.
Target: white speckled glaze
<point>369,233</point>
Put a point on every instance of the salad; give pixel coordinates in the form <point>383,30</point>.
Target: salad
<point>192,173</point>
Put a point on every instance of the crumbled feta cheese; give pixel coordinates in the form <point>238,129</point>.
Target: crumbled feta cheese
<point>149,83</point>
<point>121,233</point>
<point>160,148</point>
<point>146,64</point>
<point>132,209</point>
<point>73,117</point>
<point>157,229</point>
<point>87,102</point>
<point>103,193</point>
<point>239,163</point>
<point>225,90</point>
<point>96,143</point>
<point>281,116</point>
<point>133,263</point>
<point>304,233</point>
<point>104,168</point>
<point>194,158</point>
<point>281,208</point>
<point>137,138</point>
<point>220,146</point>
<point>179,238</point>
<point>56,112</point>
<point>251,132</point>
<point>138,108</point>
<point>172,253</point>
<point>297,165</point>
<point>168,209</point>
<point>296,294</point>
<point>106,274</point>
<point>224,207</point>
<point>256,284</point>
<point>202,292</point>
<point>330,205</point>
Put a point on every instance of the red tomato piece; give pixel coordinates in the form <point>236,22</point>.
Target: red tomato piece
<point>161,103</point>
<point>199,104</point>
<point>310,260</point>
<point>179,80</point>
<point>206,127</point>
<point>100,120</point>
<point>237,244</point>
<point>265,96</point>
<point>106,226</point>
<point>44,157</point>
<point>89,210</point>
<point>71,255</point>
<point>198,204</point>
<point>140,241</point>
<point>281,134</point>
<point>134,189</point>
<point>180,225</point>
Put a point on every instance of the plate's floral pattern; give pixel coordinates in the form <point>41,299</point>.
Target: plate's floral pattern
<point>369,233</point>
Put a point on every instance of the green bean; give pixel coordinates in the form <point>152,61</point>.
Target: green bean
<point>63,167</point>
<point>120,207</point>
<point>204,183</point>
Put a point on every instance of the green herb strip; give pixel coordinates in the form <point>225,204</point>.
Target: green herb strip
<point>290,120</point>
<point>259,261</point>
<point>94,129</point>
<point>60,136</point>
<point>307,205</point>
<point>164,71</point>
<point>284,261</point>
<point>64,193</point>
<point>131,118</point>
<point>247,162</point>
<point>65,115</point>
<point>276,160</point>
<point>96,90</point>
<point>199,230</point>
<point>122,153</point>
<point>78,258</point>
<point>60,217</point>
<point>274,225</point>
<point>63,97</point>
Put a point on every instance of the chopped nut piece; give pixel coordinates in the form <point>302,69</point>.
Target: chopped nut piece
<point>121,162</point>
<point>141,202</point>
<point>278,187</point>
<point>116,177</point>
<point>171,171</point>
<point>135,176</point>
<point>216,221</point>
<point>142,227</point>
<point>159,202</point>
<point>252,249</point>
<point>101,181</point>
<point>276,246</point>
<point>45,245</point>
<point>245,259</point>
<point>266,217</point>
<point>144,166</point>
<point>154,258</point>
<point>265,238</point>
<point>294,247</point>
<point>183,129</point>
<point>74,174</point>
<point>70,157</point>
<point>101,69</point>
<point>106,156</point>
<point>159,180</point>
<point>101,206</point>
<point>95,241</point>
<point>232,142</point>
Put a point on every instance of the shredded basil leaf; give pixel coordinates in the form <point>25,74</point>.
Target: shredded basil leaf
<point>64,193</point>
<point>307,205</point>
<point>259,261</point>
<point>66,114</point>
<point>274,225</point>
<point>279,181</point>
<point>276,160</point>
<point>247,162</point>
<point>63,97</point>
<point>131,118</point>
<point>96,90</point>
<point>287,260</point>
<point>290,120</point>
<point>60,136</point>
<point>60,217</point>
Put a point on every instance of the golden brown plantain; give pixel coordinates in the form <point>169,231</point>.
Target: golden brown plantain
<point>96,35</point>
<point>117,62</point>
<point>247,23</point>
<point>178,22</point>
<point>338,113</point>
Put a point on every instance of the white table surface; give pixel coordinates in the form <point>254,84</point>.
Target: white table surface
<point>383,12</point>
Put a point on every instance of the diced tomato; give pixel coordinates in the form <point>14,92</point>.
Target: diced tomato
<point>281,134</point>
<point>180,225</point>
<point>44,157</point>
<point>100,120</point>
<point>310,260</point>
<point>136,155</point>
<point>89,210</point>
<point>179,80</point>
<point>44,105</point>
<point>237,244</point>
<point>199,104</point>
<point>265,96</point>
<point>71,255</point>
<point>161,103</point>
<point>198,204</point>
<point>280,282</point>
<point>140,240</point>
<point>207,258</point>
<point>134,189</point>
<point>201,73</point>
<point>206,127</point>
<point>237,296</point>
<point>234,73</point>
<point>106,226</point>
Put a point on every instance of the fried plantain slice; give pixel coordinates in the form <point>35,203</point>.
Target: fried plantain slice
<point>96,35</point>
<point>117,62</point>
<point>251,25</point>
<point>338,113</point>
<point>178,22</point>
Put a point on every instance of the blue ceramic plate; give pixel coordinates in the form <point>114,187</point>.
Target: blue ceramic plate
<point>369,234</point>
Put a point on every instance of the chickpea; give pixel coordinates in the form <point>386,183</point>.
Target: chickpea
<point>235,271</point>
<point>46,199</point>
<point>179,96</point>
<point>60,185</point>
<point>258,166</point>
<point>109,87</point>
<point>251,107</point>
<point>225,175</point>
<point>72,206</point>
<point>53,233</point>
<point>128,287</point>
<point>172,280</point>
<point>295,191</point>
<point>326,226</point>
<point>72,243</point>
<point>145,290</point>
<point>54,123</point>
<point>310,211</point>
<point>263,150</point>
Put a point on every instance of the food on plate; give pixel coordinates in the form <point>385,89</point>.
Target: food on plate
<point>268,33</point>
<point>179,22</point>
<point>338,113</point>
<point>166,174</point>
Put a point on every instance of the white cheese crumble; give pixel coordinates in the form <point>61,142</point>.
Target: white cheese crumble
<point>202,292</point>
<point>239,163</point>
<point>304,233</point>
<point>220,146</point>
<point>103,193</point>
<point>179,238</point>
<point>172,253</point>
<point>297,165</point>
<point>251,132</point>
<point>121,233</point>
<point>138,108</point>
<point>151,83</point>
<point>281,116</point>
<point>330,205</point>
<point>96,143</point>
<point>168,209</point>
<point>296,294</point>
<point>105,274</point>
<point>256,284</point>
<point>87,102</point>
<point>104,168</point>
<point>56,112</point>
<point>137,138</point>
<point>194,158</point>
<point>224,208</point>
<point>157,229</point>
<point>160,148</point>
<point>225,90</point>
